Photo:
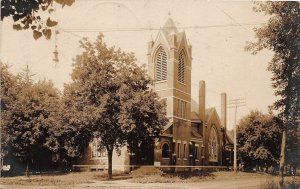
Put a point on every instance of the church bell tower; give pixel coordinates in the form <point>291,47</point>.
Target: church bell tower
<point>169,65</point>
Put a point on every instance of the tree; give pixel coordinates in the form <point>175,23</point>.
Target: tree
<point>259,138</point>
<point>8,83</point>
<point>109,98</point>
<point>28,118</point>
<point>282,35</point>
<point>8,95</point>
<point>25,14</point>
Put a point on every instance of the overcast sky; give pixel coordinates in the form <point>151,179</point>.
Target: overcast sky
<point>217,31</point>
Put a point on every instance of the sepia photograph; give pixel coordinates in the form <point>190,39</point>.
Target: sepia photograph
<point>194,94</point>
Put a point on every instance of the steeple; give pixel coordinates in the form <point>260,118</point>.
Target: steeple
<point>169,27</point>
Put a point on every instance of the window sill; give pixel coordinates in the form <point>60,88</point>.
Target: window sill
<point>158,82</point>
<point>181,83</point>
<point>97,158</point>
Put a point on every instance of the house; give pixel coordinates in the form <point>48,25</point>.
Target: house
<point>190,138</point>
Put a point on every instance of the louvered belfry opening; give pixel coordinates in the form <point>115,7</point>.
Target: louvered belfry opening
<point>161,65</point>
<point>181,64</point>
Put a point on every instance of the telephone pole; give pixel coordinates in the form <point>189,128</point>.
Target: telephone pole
<point>235,103</point>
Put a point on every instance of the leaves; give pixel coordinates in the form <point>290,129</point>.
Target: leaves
<point>109,98</point>
<point>28,116</point>
<point>51,23</point>
<point>259,138</point>
<point>17,27</point>
<point>37,34</point>
<point>65,2</point>
<point>25,14</point>
<point>282,35</point>
<point>47,33</point>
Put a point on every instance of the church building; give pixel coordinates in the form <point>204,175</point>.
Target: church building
<point>191,138</point>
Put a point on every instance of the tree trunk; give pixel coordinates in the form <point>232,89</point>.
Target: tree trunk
<point>27,168</point>
<point>109,153</point>
<point>282,158</point>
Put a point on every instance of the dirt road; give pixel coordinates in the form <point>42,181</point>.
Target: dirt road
<point>243,183</point>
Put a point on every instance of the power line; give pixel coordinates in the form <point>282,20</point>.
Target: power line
<point>230,17</point>
<point>236,24</point>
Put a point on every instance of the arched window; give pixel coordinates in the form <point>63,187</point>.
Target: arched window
<point>181,67</point>
<point>165,151</point>
<point>161,65</point>
<point>213,145</point>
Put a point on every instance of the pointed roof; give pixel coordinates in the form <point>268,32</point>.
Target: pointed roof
<point>208,112</point>
<point>229,139</point>
<point>169,27</point>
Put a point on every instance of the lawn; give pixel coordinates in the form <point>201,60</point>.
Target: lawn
<point>141,176</point>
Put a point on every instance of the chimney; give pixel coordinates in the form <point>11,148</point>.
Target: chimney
<point>202,100</point>
<point>223,110</point>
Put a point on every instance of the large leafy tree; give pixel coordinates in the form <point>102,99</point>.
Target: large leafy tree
<point>259,138</point>
<point>8,86</point>
<point>109,99</point>
<point>282,35</point>
<point>27,15</point>
<point>27,119</point>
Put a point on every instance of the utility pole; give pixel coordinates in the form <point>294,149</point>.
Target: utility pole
<point>235,103</point>
<point>1,159</point>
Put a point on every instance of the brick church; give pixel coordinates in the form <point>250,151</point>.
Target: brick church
<point>191,138</point>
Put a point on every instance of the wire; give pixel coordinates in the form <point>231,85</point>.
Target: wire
<point>236,24</point>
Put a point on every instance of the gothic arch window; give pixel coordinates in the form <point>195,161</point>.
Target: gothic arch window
<point>161,65</point>
<point>181,66</point>
<point>96,151</point>
<point>213,145</point>
<point>165,151</point>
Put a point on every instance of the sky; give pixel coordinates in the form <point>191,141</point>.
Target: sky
<point>217,30</point>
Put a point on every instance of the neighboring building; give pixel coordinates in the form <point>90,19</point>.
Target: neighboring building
<point>190,138</point>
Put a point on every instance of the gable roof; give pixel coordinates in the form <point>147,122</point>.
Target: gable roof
<point>229,138</point>
<point>195,134</point>
<point>211,112</point>
<point>195,116</point>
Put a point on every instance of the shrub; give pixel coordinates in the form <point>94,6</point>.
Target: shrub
<point>144,171</point>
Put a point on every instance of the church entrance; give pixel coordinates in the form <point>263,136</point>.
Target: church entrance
<point>146,153</point>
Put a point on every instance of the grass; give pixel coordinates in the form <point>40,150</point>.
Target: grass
<point>153,175</point>
<point>69,179</point>
<point>48,179</point>
<point>290,183</point>
<point>146,175</point>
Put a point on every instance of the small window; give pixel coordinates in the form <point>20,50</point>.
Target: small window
<point>181,108</point>
<point>102,153</point>
<point>213,145</point>
<point>178,150</point>
<point>184,150</point>
<point>95,149</point>
<point>165,151</point>
<point>196,152</point>
<point>181,67</point>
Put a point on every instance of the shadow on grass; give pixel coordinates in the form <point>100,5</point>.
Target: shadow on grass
<point>188,175</point>
<point>116,176</point>
<point>154,175</point>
